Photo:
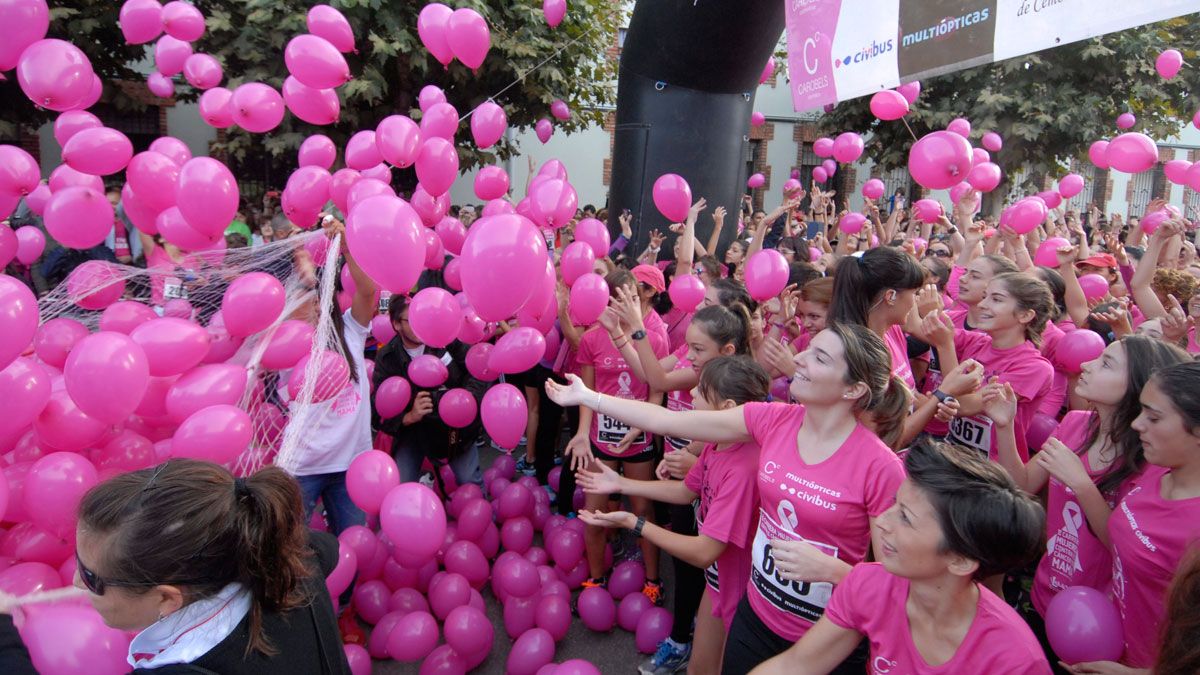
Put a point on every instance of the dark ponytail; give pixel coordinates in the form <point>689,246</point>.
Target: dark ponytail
<point>726,325</point>
<point>190,524</point>
<point>734,378</point>
<point>858,282</point>
<point>868,361</point>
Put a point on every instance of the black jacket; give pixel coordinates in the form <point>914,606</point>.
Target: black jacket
<point>432,435</point>
<point>306,639</point>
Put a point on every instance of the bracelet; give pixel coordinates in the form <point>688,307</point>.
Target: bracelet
<point>637,528</point>
<point>622,345</point>
<point>597,406</point>
<point>638,335</point>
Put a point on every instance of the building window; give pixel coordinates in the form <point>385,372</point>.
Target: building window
<point>141,126</point>
<point>621,33</point>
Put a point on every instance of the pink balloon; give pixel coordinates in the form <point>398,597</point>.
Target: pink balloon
<point>204,386</point>
<point>65,638</point>
<point>589,297</point>
<point>54,487</point>
<point>960,126</point>
<point>252,303</point>
<point>889,105</point>
<point>469,631</point>
<point>466,559</point>
<point>630,611</point>
<point>873,188</point>
<point>413,638</point>
<point>172,346</point>
<point>491,182</point>
<point>1051,198</point>
<point>207,195</point>
<point>371,600</point>
<point>169,55</point>
<point>363,189</point>
<point>468,37</point>
<point>653,627</point>
<point>1175,170</point>
<point>413,514</point>
<point>28,577</point>
<point>18,318</point>
<point>1131,152</point>
<point>435,316</point>
<point>847,147</point>
<point>256,107</point>
<point>315,62</point>
<point>992,141</point>
<point>927,210</point>
<point>532,650</point>
<point>432,29</point>
<point>593,233</point>
<point>173,148</point>
<point>78,217</point>
<point>830,167</point>
<point>757,119</point>
<point>176,230</point>
<point>577,260</point>
<point>71,122</point>
<point>317,150</point>
<point>1047,252</point>
<point>1098,153</point>
<point>63,426</point>
<point>488,124</point>
<point>1167,64</point>
<point>457,408</point>
<point>766,274</point>
<point>36,201</point>
<point>441,120</point>
<point>64,177</point>
<point>1152,220</point>
<point>1070,185</point>
<point>202,71</point>
<point>362,151</point>
<point>308,187</point>
<point>431,209</point>
<point>910,91</point>
<point>55,74</point>
<point>358,659</point>
<point>1027,214</point>
<point>216,109</point>
<point>392,397</point>
<point>106,375</point>
<point>1083,625</point>
<point>1094,286</point>
<point>98,151</point>
<point>183,21</point>
<point>819,174</point>
<point>939,160</point>
<point>984,177</point>
<point>756,181</point>
<point>673,197</point>
<point>498,207</point>
<point>333,374</point>
<point>554,11</point>
<point>217,434</point>
<point>384,235</point>
<point>504,414</point>
<point>518,350</point>
<point>553,203</point>
<point>25,385</point>
<point>427,371</point>
<point>686,291</point>
<point>95,284</point>
<point>767,71</point>
<point>56,338</point>
<point>339,187</point>
<point>328,23</point>
<point>315,106</point>
<point>21,24</point>
<point>1126,121</point>
<point>823,147</point>
<point>597,609</point>
<point>437,165</point>
<point>398,139</point>
<point>1077,348</point>
<point>129,451</point>
<point>544,130</point>
<point>452,233</point>
<point>560,110</point>
<point>852,223</point>
<point>565,547</point>
<point>504,262</point>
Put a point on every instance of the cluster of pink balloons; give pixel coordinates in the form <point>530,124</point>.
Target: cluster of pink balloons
<point>450,34</point>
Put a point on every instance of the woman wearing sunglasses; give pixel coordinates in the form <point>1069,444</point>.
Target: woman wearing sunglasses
<point>212,573</point>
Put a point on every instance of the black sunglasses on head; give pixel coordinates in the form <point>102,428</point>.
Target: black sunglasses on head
<point>98,585</point>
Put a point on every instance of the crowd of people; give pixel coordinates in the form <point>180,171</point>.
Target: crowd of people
<point>887,468</point>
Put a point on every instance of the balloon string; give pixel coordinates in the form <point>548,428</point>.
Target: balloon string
<point>531,71</point>
<point>910,131</point>
<point>65,593</point>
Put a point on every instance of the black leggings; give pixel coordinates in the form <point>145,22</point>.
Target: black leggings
<point>751,642</point>
<point>689,580</point>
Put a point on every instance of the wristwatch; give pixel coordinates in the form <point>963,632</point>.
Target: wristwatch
<point>942,396</point>
<point>638,335</point>
<point>637,529</point>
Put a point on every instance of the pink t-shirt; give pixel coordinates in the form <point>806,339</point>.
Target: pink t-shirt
<point>1149,537</point>
<point>615,378</point>
<point>956,275</point>
<point>1023,367</point>
<point>829,505</point>
<point>162,276</point>
<point>897,346</point>
<point>1074,555</point>
<point>873,601</point>
<point>958,316</point>
<point>679,399</point>
<point>677,322</point>
<point>1056,398</point>
<point>727,511</point>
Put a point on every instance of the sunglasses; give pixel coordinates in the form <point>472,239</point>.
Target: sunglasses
<point>939,253</point>
<point>92,581</point>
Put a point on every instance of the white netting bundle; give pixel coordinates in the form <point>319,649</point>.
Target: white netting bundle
<point>218,329</point>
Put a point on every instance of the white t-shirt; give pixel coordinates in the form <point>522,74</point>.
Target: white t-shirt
<point>343,423</point>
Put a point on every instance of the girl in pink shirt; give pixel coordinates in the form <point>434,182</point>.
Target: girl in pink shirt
<point>604,438</point>
<point>1011,318</point>
<point>968,284</point>
<point>879,290</point>
<point>955,520</point>
<point>723,482</point>
<point>823,477</point>
<point>1090,462</point>
<point>1159,519</point>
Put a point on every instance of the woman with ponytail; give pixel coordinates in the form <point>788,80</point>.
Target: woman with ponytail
<point>823,477</point>
<point>215,574</point>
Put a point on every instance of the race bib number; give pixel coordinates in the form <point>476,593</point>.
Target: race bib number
<point>611,431</point>
<point>806,600</point>
<point>973,432</point>
<point>173,288</point>
<point>385,300</point>
<point>675,404</point>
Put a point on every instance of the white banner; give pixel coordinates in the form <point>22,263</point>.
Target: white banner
<point>843,49</point>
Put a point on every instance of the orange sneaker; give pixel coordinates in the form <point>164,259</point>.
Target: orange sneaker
<point>654,591</point>
<point>596,582</point>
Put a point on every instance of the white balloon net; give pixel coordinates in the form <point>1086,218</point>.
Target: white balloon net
<point>193,288</point>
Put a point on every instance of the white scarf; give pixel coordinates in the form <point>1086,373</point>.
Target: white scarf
<point>191,632</point>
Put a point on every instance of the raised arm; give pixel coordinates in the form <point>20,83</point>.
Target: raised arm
<point>714,426</point>
<point>714,239</point>
<point>363,306</point>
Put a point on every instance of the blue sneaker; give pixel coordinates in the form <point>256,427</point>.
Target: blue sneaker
<point>670,658</point>
<point>525,467</point>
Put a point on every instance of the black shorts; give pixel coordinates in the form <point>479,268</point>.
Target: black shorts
<point>642,457</point>
<point>751,642</point>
